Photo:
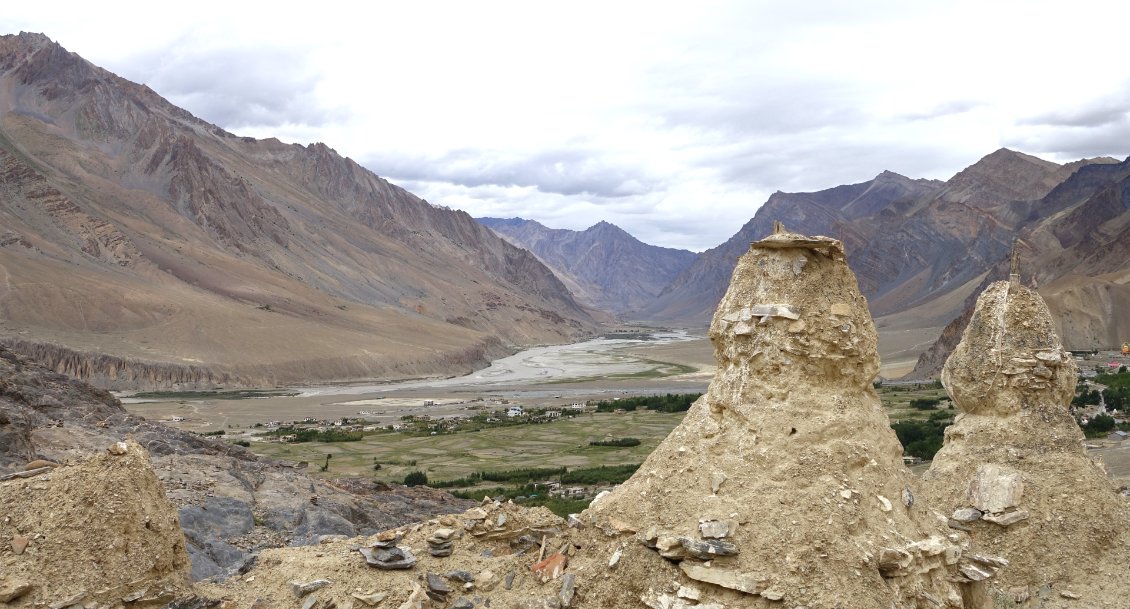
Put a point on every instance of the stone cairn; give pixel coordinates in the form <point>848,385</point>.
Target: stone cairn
<point>785,483</point>
<point>1013,471</point>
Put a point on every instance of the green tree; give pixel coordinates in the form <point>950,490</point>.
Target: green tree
<point>416,478</point>
<point>1099,425</point>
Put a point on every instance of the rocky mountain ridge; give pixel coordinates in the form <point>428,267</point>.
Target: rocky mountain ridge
<point>133,229</point>
<point>603,265</point>
<point>923,247</point>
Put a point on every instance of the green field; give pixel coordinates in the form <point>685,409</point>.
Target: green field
<point>562,443</point>
<point>896,400</point>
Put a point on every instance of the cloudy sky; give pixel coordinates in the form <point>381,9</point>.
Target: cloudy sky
<point>673,120</point>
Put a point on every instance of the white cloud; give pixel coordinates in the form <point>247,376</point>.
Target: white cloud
<point>672,120</point>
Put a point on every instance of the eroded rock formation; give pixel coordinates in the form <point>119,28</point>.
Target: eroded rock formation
<point>1013,471</point>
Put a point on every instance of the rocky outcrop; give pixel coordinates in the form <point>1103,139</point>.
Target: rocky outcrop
<point>1013,471</point>
<point>232,504</point>
<point>111,372</point>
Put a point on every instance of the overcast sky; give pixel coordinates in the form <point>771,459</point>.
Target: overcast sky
<point>673,120</point>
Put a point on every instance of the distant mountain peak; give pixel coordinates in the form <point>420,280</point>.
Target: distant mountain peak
<point>604,264</point>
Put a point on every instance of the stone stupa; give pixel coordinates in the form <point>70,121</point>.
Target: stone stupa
<point>785,481</point>
<point>1013,471</point>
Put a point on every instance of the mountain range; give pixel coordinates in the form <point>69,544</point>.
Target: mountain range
<point>923,249</point>
<point>142,246</point>
<point>605,267</point>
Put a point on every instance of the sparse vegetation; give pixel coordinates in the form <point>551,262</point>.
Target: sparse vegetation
<point>923,439</point>
<point>616,442</point>
<point>315,435</point>
<point>612,474</point>
<point>671,402</point>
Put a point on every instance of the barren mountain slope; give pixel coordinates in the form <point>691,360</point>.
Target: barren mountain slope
<point>693,295</point>
<point>605,266</point>
<point>916,245</point>
<point>131,228</point>
<point>1077,252</point>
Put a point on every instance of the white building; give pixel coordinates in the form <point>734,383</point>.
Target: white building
<point>514,411</point>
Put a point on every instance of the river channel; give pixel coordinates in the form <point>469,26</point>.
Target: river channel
<point>593,359</point>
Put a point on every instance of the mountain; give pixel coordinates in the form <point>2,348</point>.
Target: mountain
<point>1076,248</point>
<point>605,267</point>
<point>838,212</point>
<point>184,255</point>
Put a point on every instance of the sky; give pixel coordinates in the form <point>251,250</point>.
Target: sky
<point>673,120</point>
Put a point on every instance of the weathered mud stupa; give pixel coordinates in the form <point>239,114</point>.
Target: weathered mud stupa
<point>785,482</point>
<point>1013,471</point>
<point>91,535</point>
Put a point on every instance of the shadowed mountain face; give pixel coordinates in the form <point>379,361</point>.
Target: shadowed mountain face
<point>604,266</point>
<point>843,212</point>
<point>130,228</point>
<point>924,246</point>
<point>1076,248</point>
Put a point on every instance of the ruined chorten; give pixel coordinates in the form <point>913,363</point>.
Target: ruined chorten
<point>785,481</point>
<point>1013,471</point>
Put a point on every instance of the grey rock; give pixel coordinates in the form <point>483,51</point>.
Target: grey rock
<point>615,558</point>
<point>317,522</point>
<point>967,515</point>
<point>463,603</point>
<point>222,517</point>
<point>310,601</point>
<point>441,551</point>
<point>708,549</point>
<point>749,583</point>
<point>214,558</point>
<point>301,589</point>
<point>714,529</point>
<point>974,572</point>
<point>437,588</point>
<point>995,488</point>
<point>1006,519</point>
<point>389,558</point>
<point>568,589</point>
<point>463,576</point>
<point>508,581</point>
